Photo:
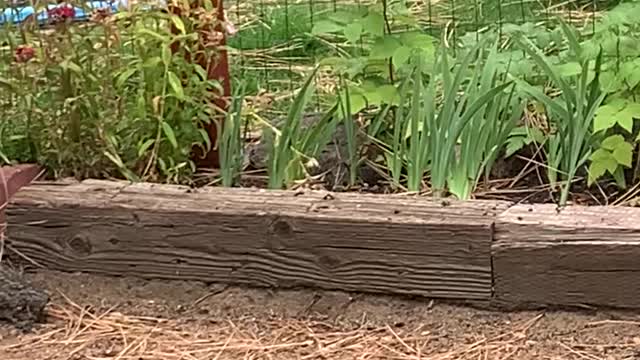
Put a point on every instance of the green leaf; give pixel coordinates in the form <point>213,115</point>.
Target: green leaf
<point>347,16</point>
<point>384,48</point>
<point>373,98</point>
<point>417,40</point>
<point>70,65</point>
<point>605,118</point>
<point>145,31</point>
<point>124,76</point>
<point>535,134</point>
<point>634,110</point>
<point>176,85</point>
<point>617,111</point>
<point>401,56</point>
<point>335,61</point>
<point>623,154</point>
<point>353,32</point>
<point>569,69</point>
<point>326,27</point>
<point>355,66</point>
<point>620,150</point>
<point>166,55</point>
<point>514,144</point>
<point>373,24</point>
<point>171,136</point>
<point>611,82</point>
<point>389,94</point>
<point>612,142</point>
<point>145,146</point>
<point>114,158</point>
<point>357,101</point>
<point>596,170</point>
<point>625,120</point>
<point>177,22</point>
<point>4,83</point>
<point>152,62</point>
<point>606,159</point>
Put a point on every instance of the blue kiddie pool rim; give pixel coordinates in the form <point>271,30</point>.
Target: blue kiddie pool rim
<point>18,14</point>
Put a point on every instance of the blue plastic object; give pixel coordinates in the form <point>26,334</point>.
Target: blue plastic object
<point>19,14</point>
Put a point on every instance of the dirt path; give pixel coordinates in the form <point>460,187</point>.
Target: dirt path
<point>125,318</point>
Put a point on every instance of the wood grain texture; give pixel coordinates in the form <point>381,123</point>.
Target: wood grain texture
<point>573,257</point>
<point>351,242</point>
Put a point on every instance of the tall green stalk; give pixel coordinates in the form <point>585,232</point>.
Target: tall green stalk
<point>350,131</point>
<point>284,162</point>
<point>434,127</point>
<point>231,149</point>
<point>486,134</point>
<point>573,111</point>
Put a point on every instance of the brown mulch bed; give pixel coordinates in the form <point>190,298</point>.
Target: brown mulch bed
<point>92,317</point>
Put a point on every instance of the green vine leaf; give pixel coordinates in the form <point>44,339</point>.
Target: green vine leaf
<point>611,82</point>
<point>401,56</point>
<point>357,99</point>
<point>569,69</point>
<point>601,162</point>
<point>389,94</point>
<point>323,27</point>
<point>618,111</point>
<point>384,48</point>
<point>373,24</point>
<point>353,32</point>
<point>176,85</point>
<point>624,154</point>
<point>621,150</point>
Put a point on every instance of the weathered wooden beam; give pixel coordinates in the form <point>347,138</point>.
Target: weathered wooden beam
<point>351,242</point>
<point>573,257</point>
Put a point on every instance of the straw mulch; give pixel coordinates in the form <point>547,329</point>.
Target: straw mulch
<point>77,333</point>
<point>112,335</point>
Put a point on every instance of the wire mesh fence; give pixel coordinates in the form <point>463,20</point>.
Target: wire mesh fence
<point>276,42</point>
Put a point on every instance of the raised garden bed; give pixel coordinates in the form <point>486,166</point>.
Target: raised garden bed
<point>489,252</point>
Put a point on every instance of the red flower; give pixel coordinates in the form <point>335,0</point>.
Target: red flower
<point>24,53</point>
<point>61,13</point>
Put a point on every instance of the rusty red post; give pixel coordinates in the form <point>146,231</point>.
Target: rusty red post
<point>12,178</point>
<point>217,68</point>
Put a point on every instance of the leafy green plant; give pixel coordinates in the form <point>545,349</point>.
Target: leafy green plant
<point>434,128</point>
<point>613,154</point>
<point>293,147</point>
<point>617,35</point>
<point>573,112</point>
<point>109,98</point>
<point>350,132</point>
<point>522,136</point>
<point>372,54</point>
<point>486,134</point>
<point>231,150</point>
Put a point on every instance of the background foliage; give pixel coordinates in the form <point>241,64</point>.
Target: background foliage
<point>398,80</point>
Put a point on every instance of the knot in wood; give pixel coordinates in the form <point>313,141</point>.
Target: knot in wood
<point>80,245</point>
<point>281,228</point>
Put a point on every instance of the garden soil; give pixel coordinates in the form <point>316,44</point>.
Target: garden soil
<point>92,317</point>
